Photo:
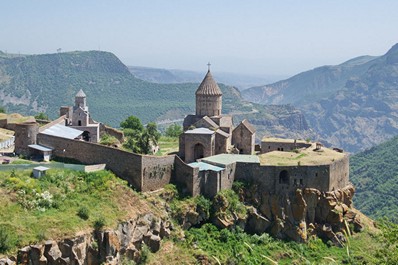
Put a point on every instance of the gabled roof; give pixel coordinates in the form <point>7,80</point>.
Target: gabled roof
<point>206,122</point>
<point>40,147</point>
<point>208,86</point>
<point>80,94</point>
<point>200,131</point>
<point>62,131</point>
<point>222,133</point>
<point>248,126</point>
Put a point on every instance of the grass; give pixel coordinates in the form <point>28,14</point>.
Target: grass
<point>238,247</point>
<point>167,145</point>
<point>32,210</point>
<point>305,156</point>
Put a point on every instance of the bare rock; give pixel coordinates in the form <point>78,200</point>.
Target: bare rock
<point>23,256</point>
<point>257,223</point>
<point>52,252</point>
<point>36,254</point>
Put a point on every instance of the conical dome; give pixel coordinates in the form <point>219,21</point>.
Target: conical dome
<point>208,86</point>
<point>80,94</point>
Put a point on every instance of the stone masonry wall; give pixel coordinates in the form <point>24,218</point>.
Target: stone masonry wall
<point>339,174</point>
<point>282,146</point>
<point>124,164</point>
<point>143,172</point>
<point>157,171</point>
<point>187,176</point>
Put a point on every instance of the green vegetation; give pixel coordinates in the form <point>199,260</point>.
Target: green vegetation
<point>167,145</point>
<point>374,174</point>
<point>41,116</point>
<point>139,139</point>
<point>173,130</point>
<point>59,204</point>
<point>208,243</point>
<point>109,140</point>
<point>52,80</point>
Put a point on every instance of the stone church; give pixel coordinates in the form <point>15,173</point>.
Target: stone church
<point>78,117</point>
<point>209,132</point>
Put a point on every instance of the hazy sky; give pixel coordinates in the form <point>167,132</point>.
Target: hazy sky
<point>252,36</point>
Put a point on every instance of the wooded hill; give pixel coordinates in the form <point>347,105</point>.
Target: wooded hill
<point>374,173</point>
<point>43,83</point>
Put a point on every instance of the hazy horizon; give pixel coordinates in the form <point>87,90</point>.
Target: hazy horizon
<point>252,38</point>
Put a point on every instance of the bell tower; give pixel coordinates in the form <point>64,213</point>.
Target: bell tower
<point>208,97</point>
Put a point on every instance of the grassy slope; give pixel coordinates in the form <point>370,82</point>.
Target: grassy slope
<point>26,222</point>
<point>106,196</point>
<point>375,175</point>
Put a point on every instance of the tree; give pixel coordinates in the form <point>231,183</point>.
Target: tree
<point>132,122</point>
<point>153,132</point>
<point>139,139</point>
<point>173,130</point>
<point>41,116</point>
<point>2,109</point>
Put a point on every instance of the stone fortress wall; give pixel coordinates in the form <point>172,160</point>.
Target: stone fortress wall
<point>145,173</point>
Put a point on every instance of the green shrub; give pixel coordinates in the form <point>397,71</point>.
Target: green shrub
<point>83,213</point>
<point>99,223</point>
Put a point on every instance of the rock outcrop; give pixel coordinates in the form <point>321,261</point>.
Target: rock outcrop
<point>99,247</point>
<point>305,212</point>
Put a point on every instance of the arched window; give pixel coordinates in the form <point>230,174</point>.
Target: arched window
<point>284,177</point>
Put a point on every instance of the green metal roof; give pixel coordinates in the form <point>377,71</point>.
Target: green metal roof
<point>225,159</point>
<point>204,166</point>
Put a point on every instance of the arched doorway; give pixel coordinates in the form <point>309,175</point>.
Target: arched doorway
<point>86,136</point>
<point>198,151</point>
<point>284,177</point>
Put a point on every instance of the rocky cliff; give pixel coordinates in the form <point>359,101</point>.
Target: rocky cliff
<point>98,247</point>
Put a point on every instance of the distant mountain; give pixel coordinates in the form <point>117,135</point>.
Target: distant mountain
<point>43,83</point>
<point>309,86</point>
<point>374,173</point>
<point>351,105</point>
<point>365,111</point>
<point>167,76</point>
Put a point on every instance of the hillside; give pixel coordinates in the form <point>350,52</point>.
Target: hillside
<point>72,208</point>
<point>309,86</point>
<point>43,83</point>
<point>374,173</point>
<point>351,105</point>
<point>364,113</point>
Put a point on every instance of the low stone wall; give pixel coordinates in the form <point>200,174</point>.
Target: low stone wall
<point>282,146</point>
<point>112,132</point>
<point>124,164</point>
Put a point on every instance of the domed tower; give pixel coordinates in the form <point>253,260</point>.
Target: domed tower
<point>80,100</point>
<point>208,97</point>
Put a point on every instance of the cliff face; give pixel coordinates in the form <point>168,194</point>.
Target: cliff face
<point>109,246</point>
<point>301,214</point>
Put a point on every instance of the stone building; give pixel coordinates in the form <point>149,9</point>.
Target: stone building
<point>209,132</point>
<point>78,117</point>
